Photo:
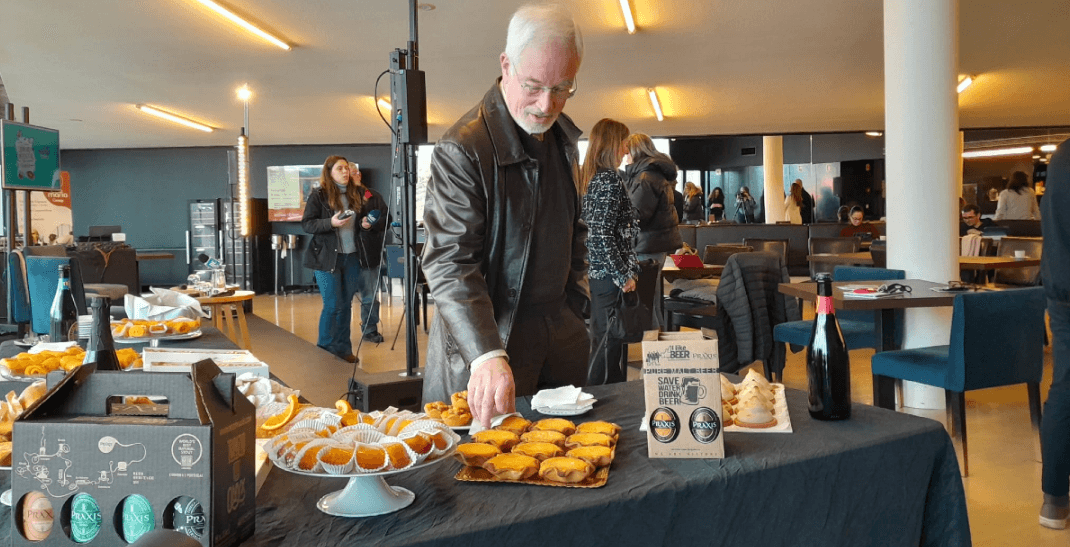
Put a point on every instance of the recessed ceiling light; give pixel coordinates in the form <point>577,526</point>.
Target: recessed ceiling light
<point>873,133</point>
<point>1048,148</point>
<point>426,7</point>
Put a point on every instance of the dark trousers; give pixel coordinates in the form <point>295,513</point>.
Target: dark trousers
<point>547,350</point>
<point>1055,425</point>
<point>607,352</point>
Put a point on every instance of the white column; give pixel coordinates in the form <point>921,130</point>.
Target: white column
<point>773,167</point>
<point>923,162</point>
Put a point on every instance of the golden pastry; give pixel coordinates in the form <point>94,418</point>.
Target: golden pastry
<point>399,457</point>
<point>539,451</point>
<point>512,467</point>
<point>420,443</point>
<point>598,456</point>
<point>435,409</point>
<point>555,437</point>
<point>475,454</point>
<point>504,440</point>
<point>370,458</point>
<point>555,424</point>
<point>516,424</point>
<point>308,459</point>
<point>565,470</point>
<point>456,417</point>
<point>605,428</point>
<point>588,439</point>
<point>337,455</point>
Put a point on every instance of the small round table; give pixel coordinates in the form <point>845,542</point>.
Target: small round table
<point>228,315</point>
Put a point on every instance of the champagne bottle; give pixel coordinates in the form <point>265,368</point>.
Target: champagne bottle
<point>101,348</point>
<point>63,316</point>
<point>828,367</point>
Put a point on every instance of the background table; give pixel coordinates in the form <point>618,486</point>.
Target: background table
<point>862,258</point>
<point>672,273</point>
<point>228,315</point>
<point>995,262</point>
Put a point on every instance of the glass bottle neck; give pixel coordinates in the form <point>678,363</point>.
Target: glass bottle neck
<point>824,305</point>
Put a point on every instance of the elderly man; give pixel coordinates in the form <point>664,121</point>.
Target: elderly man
<point>505,256</point>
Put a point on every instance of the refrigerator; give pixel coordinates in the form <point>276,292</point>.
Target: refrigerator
<point>214,232</point>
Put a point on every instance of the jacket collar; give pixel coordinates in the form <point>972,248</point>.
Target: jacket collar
<point>503,130</point>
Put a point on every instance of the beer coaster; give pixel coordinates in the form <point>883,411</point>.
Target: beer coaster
<point>597,479</point>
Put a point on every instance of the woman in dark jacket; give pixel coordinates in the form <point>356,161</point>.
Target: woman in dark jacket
<point>344,253</point>
<point>614,269</point>
<point>649,179</point>
<point>693,209</point>
<point>716,204</point>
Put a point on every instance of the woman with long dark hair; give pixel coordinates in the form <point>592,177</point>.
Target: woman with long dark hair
<point>793,204</point>
<point>610,249</point>
<point>339,253</point>
<point>1018,201</point>
<point>716,204</point>
<point>693,204</point>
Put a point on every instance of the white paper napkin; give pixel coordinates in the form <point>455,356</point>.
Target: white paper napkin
<point>52,346</point>
<point>162,305</point>
<point>548,398</point>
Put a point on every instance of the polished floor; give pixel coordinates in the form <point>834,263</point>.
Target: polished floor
<point>1003,489</point>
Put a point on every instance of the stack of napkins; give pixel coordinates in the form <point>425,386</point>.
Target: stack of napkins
<point>162,305</point>
<point>567,399</point>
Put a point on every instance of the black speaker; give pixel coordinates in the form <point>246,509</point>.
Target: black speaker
<point>368,392</point>
<point>409,93</point>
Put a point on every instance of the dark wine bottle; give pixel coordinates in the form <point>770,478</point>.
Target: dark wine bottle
<point>828,367</point>
<point>63,316</point>
<point>101,348</point>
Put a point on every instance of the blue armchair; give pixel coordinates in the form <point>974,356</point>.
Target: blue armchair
<point>997,339</point>
<point>858,327</point>
<point>41,280</point>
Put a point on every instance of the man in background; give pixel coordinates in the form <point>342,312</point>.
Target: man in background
<point>972,223</point>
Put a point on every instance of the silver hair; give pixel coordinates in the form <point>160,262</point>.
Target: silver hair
<point>541,23</point>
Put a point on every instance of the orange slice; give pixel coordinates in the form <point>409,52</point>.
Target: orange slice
<point>343,407</point>
<point>279,420</point>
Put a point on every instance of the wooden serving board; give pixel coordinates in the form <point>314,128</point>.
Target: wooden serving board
<point>478,474</point>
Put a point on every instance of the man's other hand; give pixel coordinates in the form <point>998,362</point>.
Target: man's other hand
<point>491,391</point>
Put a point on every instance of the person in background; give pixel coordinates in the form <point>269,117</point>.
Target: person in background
<point>693,208</point>
<point>1018,201</point>
<point>612,229</point>
<point>716,205</point>
<point>505,256</point>
<point>334,253</point>
<point>793,204</point>
<point>745,206</point>
<point>648,177</point>
<point>1054,265</point>
<point>371,240</point>
<point>843,214</point>
<point>972,223</point>
<point>678,203</point>
<point>857,226</point>
<point>806,209</point>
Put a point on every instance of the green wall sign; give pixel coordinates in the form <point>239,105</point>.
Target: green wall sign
<point>30,159</point>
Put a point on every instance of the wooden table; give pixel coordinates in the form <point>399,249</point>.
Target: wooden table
<point>672,273</point>
<point>849,259</point>
<point>921,296</point>
<point>995,262</point>
<point>155,255</point>
<point>228,315</point>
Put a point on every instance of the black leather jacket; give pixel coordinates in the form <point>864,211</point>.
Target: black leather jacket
<point>650,188</point>
<point>479,217</point>
<point>323,249</point>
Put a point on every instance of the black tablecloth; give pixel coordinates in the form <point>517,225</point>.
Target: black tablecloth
<point>880,478</point>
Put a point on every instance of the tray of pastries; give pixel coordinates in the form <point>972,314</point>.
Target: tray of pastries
<point>550,452</point>
<point>32,366</point>
<point>136,330</point>
<point>754,405</point>
<point>455,414</point>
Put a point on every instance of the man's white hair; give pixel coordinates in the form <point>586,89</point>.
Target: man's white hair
<point>535,24</point>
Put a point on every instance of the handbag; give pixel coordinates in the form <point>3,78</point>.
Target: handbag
<point>629,319</point>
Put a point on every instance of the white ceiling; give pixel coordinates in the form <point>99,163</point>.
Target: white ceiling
<point>720,66</point>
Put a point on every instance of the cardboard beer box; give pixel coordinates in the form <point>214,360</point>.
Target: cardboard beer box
<point>683,395</point>
<point>86,469</point>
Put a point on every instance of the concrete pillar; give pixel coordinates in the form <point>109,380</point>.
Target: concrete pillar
<point>773,167</point>
<point>923,151</point>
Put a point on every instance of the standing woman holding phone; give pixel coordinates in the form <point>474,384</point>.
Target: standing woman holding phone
<point>612,226</point>
<point>335,250</point>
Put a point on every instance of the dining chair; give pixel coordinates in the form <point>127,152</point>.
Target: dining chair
<point>717,255</point>
<point>1018,277</point>
<point>831,245</point>
<point>18,294</point>
<point>878,250</point>
<point>42,278</point>
<point>858,326</point>
<point>779,246</point>
<point>996,340</point>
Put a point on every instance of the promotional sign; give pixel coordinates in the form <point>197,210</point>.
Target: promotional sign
<point>30,158</point>
<point>288,188</point>
<point>682,387</point>
<point>50,214</point>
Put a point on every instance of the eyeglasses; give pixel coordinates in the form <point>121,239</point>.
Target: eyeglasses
<point>893,288</point>
<point>557,92</point>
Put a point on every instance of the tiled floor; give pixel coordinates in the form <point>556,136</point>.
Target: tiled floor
<point>1002,491</point>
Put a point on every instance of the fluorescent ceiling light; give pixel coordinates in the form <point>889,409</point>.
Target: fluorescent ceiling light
<point>233,18</point>
<point>629,21</point>
<point>873,133</point>
<point>655,103</point>
<point>1017,151</point>
<point>1048,148</point>
<point>173,117</point>
<point>964,83</point>
<point>384,104</point>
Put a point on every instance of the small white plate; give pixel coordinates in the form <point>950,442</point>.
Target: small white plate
<point>5,498</point>
<point>562,411</point>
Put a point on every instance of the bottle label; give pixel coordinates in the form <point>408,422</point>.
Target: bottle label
<point>824,305</point>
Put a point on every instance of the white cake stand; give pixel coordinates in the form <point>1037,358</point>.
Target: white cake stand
<point>368,494</point>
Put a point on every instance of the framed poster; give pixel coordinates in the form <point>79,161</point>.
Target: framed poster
<point>288,188</point>
<point>29,158</point>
